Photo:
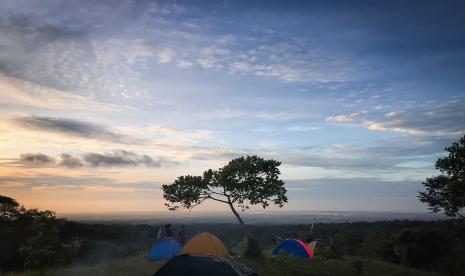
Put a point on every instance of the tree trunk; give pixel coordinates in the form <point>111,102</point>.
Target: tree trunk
<point>236,214</point>
<point>244,227</point>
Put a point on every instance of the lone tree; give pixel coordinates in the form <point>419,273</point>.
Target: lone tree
<point>242,182</point>
<point>447,191</point>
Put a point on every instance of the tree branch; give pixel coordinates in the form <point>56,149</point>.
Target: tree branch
<point>229,196</point>
<point>216,193</point>
<point>200,201</point>
<point>226,194</point>
<point>218,199</point>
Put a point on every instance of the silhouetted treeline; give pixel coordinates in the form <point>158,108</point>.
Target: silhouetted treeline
<point>30,238</point>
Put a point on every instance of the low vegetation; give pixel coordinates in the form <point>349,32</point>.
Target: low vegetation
<point>270,266</point>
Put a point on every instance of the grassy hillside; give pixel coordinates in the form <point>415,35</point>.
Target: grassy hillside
<point>281,266</point>
<point>136,265</point>
<point>284,266</point>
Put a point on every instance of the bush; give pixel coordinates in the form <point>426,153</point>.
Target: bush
<point>253,249</point>
<point>46,249</point>
<point>357,265</point>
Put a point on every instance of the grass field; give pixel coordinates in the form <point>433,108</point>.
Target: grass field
<point>278,266</point>
<point>287,266</point>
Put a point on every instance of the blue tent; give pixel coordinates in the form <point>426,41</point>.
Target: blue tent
<point>293,247</point>
<point>164,250</point>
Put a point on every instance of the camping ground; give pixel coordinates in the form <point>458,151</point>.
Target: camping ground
<point>278,266</point>
<point>378,248</point>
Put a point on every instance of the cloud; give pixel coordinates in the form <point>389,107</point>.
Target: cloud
<point>291,62</point>
<point>184,64</point>
<point>117,158</point>
<point>74,128</point>
<point>412,157</point>
<point>165,56</point>
<point>361,162</point>
<point>430,119</point>
<point>209,62</point>
<point>239,67</point>
<point>344,118</point>
<point>386,155</point>
<point>30,25</point>
<point>188,137</point>
<point>356,193</point>
<point>45,53</point>
<point>77,57</point>
<point>53,180</point>
<point>443,118</point>
<point>120,158</point>
<point>274,115</point>
<point>25,93</point>
<point>36,160</point>
<point>86,183</point>
<point>67,57</point>
<point>139,53</point>
<point>303,128</point>
<point>69,161</point>
<point>227,39</point>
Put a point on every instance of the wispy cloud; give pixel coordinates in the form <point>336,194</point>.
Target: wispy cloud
<point>303,128</point>
<point>138,52</point>
<point>184,64</point>
<point>67,58</point>
<point>117,158</point>
<point>446,118</point>
<point>120,158</point>
<point>36,159</point>
<point>173,135</point>
<point>70,183</point>
<point>165,56</point>
<point>17,92</point>
<point>69,161</point>
<point>74,128</point>
<point>349,118</point>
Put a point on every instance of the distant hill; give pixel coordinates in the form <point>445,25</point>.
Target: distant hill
<point>269,217</point>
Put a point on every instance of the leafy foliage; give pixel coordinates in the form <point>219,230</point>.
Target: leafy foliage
<point>9,208</point>
<point>30,237</point>
<point>45,248</point>
<point>242,182</point>
<point>447,191</point>
<point>253,249</point>
<point>188,191</point>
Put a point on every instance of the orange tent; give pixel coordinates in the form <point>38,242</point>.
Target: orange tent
<point>205,244</point>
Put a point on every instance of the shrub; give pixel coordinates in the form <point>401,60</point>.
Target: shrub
<point>253,249</point>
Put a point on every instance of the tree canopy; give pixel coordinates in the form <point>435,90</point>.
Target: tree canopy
<point>9,208</point>
<point>243,182</point>
<point>447,191</point>
<point>31,238</point>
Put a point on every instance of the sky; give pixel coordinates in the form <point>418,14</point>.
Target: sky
<point>102,102</point>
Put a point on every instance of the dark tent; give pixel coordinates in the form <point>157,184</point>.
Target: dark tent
<point>203,266</point>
